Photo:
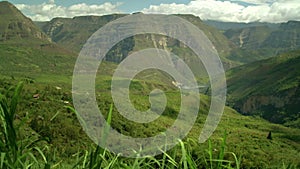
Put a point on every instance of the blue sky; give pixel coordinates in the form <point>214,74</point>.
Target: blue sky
<point>274,11</point>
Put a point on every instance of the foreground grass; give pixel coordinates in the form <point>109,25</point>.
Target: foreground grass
<point>25,153</point>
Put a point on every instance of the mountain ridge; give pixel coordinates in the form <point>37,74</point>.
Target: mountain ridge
<point>265,40</point>
<point>14,25</point>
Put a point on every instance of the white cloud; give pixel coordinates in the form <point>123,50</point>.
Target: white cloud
<point>223,10</point>
<point>47,11</point>
<point>258,2</point>
<point>232,10</point>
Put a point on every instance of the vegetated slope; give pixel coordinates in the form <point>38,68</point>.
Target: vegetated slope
<point>25,50</point>
<point>268,88</point>
<point>48,118</point>
<point>33,62</point>
<point>15,26</point>
<point>259,42</point>
<point>47,70</point>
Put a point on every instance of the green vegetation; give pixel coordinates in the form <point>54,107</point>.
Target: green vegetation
<point>268,88</point>
<point>40,129</point>
<point>188,154</point>
<point>15,153</point>
<point>17,150</point>
<point>62,137</point>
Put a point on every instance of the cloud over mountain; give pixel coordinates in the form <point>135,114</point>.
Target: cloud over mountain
<point>49,10</point>
<point>235,10</point>
<point>222,10</point>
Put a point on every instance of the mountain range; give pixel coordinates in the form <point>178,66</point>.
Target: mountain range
<point>262,63</point>
<point>46,46</point>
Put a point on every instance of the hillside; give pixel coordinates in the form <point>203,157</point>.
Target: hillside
<point>268,88</point>
<point>78,29</point>
<point>73,33</point>
<point>25,51</point>
<point>249,37</point>
<point>46,123</point>
<point>241,44</point>
<point>14,26</point>
<point>264,41</point>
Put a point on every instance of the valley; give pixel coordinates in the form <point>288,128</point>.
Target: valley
<point>262,72</point>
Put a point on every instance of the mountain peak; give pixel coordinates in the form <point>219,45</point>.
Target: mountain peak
<point>9,10</point>
<point>15,26</point>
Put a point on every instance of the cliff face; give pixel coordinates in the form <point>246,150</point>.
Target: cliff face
<point>15,26</point>
<point>267,40</point>
<point>250,37</point>
<point>277,109</point>
<point>268,88</point>
<point>72,33</point>
<point>287,37</point>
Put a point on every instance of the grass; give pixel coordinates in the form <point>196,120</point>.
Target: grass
<point>44,132</point>
<point>59,136</point>
<point>16,154</point>
<point>223,150</point>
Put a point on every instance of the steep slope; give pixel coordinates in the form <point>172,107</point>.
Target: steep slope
<point>73,33</point>
<point>14,26</point>
<point>250,37</point>
<point>268,88</point>
<point>287,37</point>
<point>264,41</point>
<point>25,50</point>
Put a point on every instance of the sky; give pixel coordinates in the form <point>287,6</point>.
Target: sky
<point>274,11</point>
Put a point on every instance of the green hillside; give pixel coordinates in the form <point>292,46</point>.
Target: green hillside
<point>45,133</point>
<point>25,51</point>
<point>268,88</point>
<point>47,118</point>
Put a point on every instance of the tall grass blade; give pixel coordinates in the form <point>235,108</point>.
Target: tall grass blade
<point>107,126</point>
<point>222,151</point>
<point>183,157</point>
<point>2,160</point>
<point>210,153</point>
